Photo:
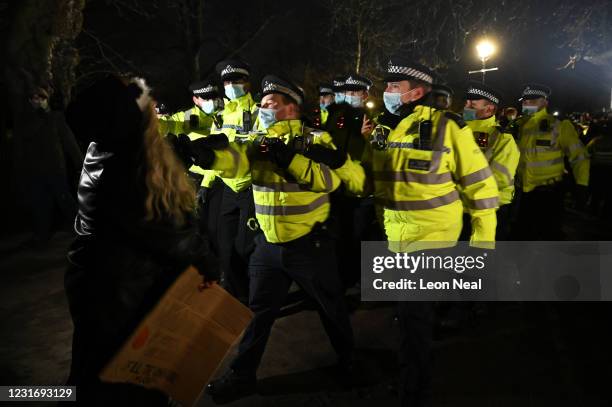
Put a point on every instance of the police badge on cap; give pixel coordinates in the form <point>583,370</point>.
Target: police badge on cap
<point>338,83</point>
<point>274,84</point>
<point>325,89</point>
<point>205,90</point>
<point>357,82</point>
<point>535,91</point>
<point>477,90</point>
<point>402,69</point>
<point>233,69</point>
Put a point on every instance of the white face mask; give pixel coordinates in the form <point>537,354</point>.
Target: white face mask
<point>234,90</point>
<point>529,110</point>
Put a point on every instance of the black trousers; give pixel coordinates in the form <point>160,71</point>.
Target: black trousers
<point>416,337</point>
<point>310,261</point>
<point>209,207</point>
<point>237,211</point>
<point>541,214</point>
<point>355,219</point>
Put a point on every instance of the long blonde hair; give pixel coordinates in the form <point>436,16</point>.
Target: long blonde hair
<point>170,192</point>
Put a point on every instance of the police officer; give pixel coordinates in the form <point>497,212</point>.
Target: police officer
<point>338,87</point>
<point>443,96</point>
<point>190,125</point>
<point>199,119</point>
<point>237,226</point>
<point>291,193</point>
<point>499,147</point>
<point>545,142</point>
<point>419,167</point>
<point>349,125</point>
<point>326,99</point>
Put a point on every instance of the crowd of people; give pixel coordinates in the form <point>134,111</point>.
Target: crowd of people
<point>259,195</point>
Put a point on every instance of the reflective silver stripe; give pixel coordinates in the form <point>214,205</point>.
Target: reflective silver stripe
<point>485,203</point>
<point>424,204</point>
<point>276,210</point>
<point>438,146</point>
<point>186,117</point>
<point>475,177</point>
<point>491,143</point>
<point>231,126</point>
<point>503,169</point>
<point>555,132</point>
<point>327,177</point>
<point>396,144</point>
<point>278,187</point>
<point>406,176</point>
<point>544,163</point>
<point>540,149</point>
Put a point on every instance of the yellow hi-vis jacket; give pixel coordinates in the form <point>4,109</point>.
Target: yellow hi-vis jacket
<point>419,189</point>
<point>501,152</point>
<point>180,122</point>
<point>543,148</point>
<point>236,130</point>
<point>288,203</point>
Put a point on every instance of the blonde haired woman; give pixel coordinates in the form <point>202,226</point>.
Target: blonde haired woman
<point>135,228</point>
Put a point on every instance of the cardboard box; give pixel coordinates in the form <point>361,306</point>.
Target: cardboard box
<point>182,341</point>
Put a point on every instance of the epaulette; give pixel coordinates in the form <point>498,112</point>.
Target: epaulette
<point>457,118</point>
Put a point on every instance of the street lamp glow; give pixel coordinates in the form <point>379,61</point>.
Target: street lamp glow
<point>485,49</point>
<point>370,104</point>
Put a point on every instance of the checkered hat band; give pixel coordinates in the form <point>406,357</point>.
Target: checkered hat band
<point>357,82</point>
<point>410,72</point>
<point>273,87</point>
<point>484,94</point>
<point>231,69</point>
<point>531,92</point>
<point>326,90</point>
<point>338,83</point>
<point>206,89</point>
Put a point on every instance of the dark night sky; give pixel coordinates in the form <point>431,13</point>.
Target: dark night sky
<point>297,42</point>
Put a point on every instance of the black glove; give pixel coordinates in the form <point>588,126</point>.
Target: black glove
<point>181,146</point>
<point>323,155</point>
<point>203,153</point>
<point>215,141</point>
<point>280,154</point>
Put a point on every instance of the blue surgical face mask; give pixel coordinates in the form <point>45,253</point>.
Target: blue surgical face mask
<point>267,117</point>
<point>340,97</point>
<point>529,110</point>
<point>469,114</point>
<point>393,101</point>
<point>234,90</point>
<point>324,106</point>
<point>355,101</point>
<point>208,106</point>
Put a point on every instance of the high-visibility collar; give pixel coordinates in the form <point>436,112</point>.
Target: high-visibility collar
<point>483,126</point>
<point>539,115</point>
<point>286,128</point>
<point>422,112</point>
<point>244,102</point>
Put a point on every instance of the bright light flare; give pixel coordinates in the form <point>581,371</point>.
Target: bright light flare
<point>485,49</point>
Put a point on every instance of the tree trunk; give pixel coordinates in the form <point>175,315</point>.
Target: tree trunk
<point>38,51</point>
